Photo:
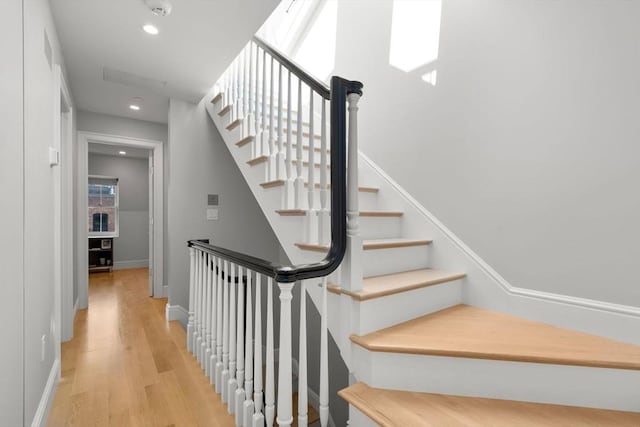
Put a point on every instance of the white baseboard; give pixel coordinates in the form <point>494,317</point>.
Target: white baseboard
<point>135,263</point>
<point>488,289</point>
<point>42,412</point>
<point>177,312</point>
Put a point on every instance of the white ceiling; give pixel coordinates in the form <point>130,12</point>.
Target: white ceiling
<point>195,44</point>
<point>114,150</point>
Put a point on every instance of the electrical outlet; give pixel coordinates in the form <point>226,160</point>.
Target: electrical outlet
<point>43,348</point>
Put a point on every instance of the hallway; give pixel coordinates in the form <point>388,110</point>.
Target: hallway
<point>126,366</point>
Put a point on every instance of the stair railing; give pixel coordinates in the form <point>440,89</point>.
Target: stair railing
<point>225,330</point>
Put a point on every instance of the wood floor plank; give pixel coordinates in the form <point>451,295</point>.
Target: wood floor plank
<point>392,408</point>
<point>127,366</point>
<point>471,332</point>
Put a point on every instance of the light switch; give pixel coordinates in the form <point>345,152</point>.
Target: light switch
<point>54,157</point>
<point>212,214</point>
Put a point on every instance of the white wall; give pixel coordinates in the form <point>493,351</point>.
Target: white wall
<point>120,126</point>
<point>11,200</point>
<point>200,164</point>
<point>131,247</point>
<point>38,187</point>
<point>527,147</point>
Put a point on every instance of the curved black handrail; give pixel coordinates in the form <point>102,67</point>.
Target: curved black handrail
<point>340,89</point>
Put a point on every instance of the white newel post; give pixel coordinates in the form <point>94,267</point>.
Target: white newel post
<point>352,265</point>
<point>190,324</point>
<point>285,378</point>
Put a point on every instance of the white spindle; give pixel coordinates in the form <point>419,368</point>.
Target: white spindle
<point>248,360</point>
<point>190,324</point>
<point>269,391</point>
<point>264,142</point>
<point>324,227</point>
<point>280,172</point>
<point>271,169</point>
<point>198,330</point>
<point>219,326</point>
<point>214,320</point>
<point>232,384</point>
<point>352,271</point>
<point>236,93</point>
<point>239,394</point>
<point>302,358</point>
<point>241,110</point>
<point>255,90</point>
<point>288,189</point>
<point>299,182</point>
<point>285,376</point>
<point>225,336</point>
<point>207,346</point>
<point>324,360</point>
<point>312,213</point>
<point>258,418</point>
<point>246,59</point>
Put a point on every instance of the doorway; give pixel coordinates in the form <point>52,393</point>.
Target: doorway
<point>155,220</point>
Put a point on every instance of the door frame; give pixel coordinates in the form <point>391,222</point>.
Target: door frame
<point>157,252</point>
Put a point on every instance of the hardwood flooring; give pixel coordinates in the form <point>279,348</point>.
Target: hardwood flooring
<point>127,366</point>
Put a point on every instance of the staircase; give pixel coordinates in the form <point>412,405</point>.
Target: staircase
<point>429,336</point>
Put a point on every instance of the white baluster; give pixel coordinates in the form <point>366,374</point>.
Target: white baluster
<point>264,141</point>
<point>258,417</point>
<point>236,95</point>
<point>303,389</point>
<point>271,168</point>
<point>198,332</point>
<point>255,89</point>
<point>203,310</point>
<point>312,212</point>
<point>251,129</point>
<point>324,360</point>
<point>248,360</point>
<point>246,59</point>
<point>352,264</point>
<point>225,336</point>
<point>299,182</point>
<point>324,225</point>
<point>240,77</point>
<point>219,326</point>
<point>285,376</point>
<point>269,391</point>
<point>280,172</point>
<point>214,320</point>
<point>207,342</point>
<point>288,189</point>
<point>239,393</point>
<point>192,285</point>
<point>232,383</point>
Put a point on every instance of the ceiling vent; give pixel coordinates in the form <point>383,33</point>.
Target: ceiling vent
<point>159,7</point>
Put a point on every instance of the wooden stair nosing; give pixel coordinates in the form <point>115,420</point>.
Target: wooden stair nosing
<point>234,124</point>
<point>368,245</point>
<point>395,283</point>
<point>224,110</point>
<point>474,333</point>
<point>217,98</point>
<point>245,140</point>
<point>381,214</point>
<point>257,160</point>
<point>395,408</point>
<point>281,182</point>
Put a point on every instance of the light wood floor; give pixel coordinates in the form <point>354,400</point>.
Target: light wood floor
<point>126,366</point>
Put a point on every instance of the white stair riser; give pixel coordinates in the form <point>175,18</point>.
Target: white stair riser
<point>394,260</point>
<point>358,419</point>
<point>532,382</point>
<point>380,228</point>
<point>380,313</point>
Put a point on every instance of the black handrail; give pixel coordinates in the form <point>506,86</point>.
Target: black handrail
<point>311,81</point>
<point>340,88</point>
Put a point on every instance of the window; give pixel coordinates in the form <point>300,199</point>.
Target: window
<point>102,216</point>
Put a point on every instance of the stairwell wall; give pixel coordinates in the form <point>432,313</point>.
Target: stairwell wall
<point>526,146</point>
<point>200,164</point>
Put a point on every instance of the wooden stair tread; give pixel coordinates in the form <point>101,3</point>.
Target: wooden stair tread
<point>472,332</point>
<point>371,244</point>
<point>301,212</point>
<point>389,284</point>
<point>280,182</point>
<point>394,408</point>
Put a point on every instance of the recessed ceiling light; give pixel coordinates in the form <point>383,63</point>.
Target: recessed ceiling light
<point>150,29</point>
<point>134,107</point>
<point>122,153</point>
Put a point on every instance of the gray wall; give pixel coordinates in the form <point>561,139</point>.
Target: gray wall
<point>527,147</point>
<point>11,202</point>
<point>200,164</point>
<point>120,126</point>
<point>132,244</point>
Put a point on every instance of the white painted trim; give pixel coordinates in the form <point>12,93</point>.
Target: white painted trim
<point>599,317</point>
<point>158,200</point>
<point>134,263</point>
<point>42,412</point>
<point>177,312</point>
<point>76,307</point>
